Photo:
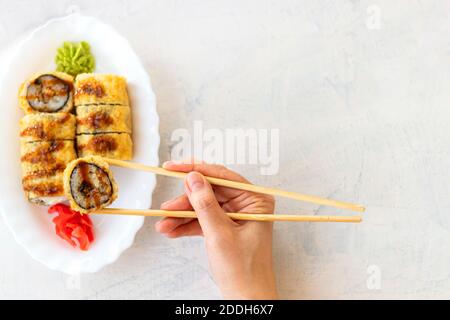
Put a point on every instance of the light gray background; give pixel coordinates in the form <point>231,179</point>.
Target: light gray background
<point>363,114</point>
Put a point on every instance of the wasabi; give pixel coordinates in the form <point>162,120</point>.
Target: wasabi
<point>75,58</point>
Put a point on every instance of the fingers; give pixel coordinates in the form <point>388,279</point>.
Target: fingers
<point>186,230</point>
<point>210,215</point>
<point>179,203</point>
<point>251,203</point>
<point>167,225</point>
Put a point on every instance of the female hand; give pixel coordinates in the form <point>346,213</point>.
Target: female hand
<point>239,253</point>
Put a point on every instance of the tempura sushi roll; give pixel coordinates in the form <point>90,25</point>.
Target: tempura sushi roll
<point>47,92</point>
<point>103,118</point>
<point>96,88</point>
<point>89,184</point>
<point>43,164</point>
<point>46,155</point>
<point>47,126</point>
<point>108,145</point>
<point>44,188</point>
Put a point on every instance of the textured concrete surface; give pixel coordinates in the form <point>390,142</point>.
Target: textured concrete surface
<point>360,93</point>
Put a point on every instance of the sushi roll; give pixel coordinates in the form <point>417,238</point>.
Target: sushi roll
<point>108,145</point>
<point>94,89</point>
<point>47,135</point>
<point>47,126</point>
<point>44,190</point>
<point>43,164</point>
<point>103,118</point>
<point>46,155</point>
<point>47,92</point>
<point>89,184</point>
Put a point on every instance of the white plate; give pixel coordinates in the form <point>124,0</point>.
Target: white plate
<point>31,225</point>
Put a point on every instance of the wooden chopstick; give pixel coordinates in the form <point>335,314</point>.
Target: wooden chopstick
<point>234,216</point>
<point>241,186</point>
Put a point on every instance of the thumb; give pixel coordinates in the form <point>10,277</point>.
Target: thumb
<point>210,215</point>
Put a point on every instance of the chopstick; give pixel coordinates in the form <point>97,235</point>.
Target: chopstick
<point>234,216</point>
<point>240,186</point>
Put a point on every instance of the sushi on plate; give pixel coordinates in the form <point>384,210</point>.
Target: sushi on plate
<point>103,116</point>
<point>47,92</point>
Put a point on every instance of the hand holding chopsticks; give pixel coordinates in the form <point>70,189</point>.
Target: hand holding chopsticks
<point>240,186</point>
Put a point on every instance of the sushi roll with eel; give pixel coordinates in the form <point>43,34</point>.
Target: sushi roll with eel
<point>47,126</point>
<point>46,155</point>
<point>108,145</point>
<point>103,116</point>
<point>46,189</point>
<point>47,92</point>
<point>43,164</point>
<point>47,135</point>
<point>94,89</point>
<point>89,184</point>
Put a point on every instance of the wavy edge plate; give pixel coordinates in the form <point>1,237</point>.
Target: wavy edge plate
<point>27,242</point>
